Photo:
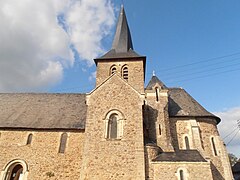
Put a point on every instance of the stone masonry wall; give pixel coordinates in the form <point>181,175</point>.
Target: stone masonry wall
<point>41,156</point>
<point>114,158</point>
<point>191,170</point>
<point>158,128</point>
<point>208,129</point>
<point>135,72</point>
<point>181,127</point>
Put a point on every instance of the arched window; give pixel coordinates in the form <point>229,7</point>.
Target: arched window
<point>29,139</point>
<point>113,70</point>
<point>181,175</point>
<point>112,127</point>
<point>160,129</point>
<point>15,170</point>
<point>63,142</point>
<point>125,72</point>
<point>187,143</point>
<point>214,146</point>
<point>157,93</point>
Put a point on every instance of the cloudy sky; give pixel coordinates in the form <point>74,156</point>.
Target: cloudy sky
<point>49,46</point>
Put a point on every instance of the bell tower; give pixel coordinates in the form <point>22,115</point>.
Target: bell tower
<point>122,59</point>
<point>114,144</point>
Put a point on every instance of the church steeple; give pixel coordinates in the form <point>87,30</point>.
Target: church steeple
<point>122,59</point>
<point>122,41</point>
<point>122,46</point>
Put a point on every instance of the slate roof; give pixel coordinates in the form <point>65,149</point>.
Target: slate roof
<point>42,111</point>
<point>180,156</point>
<point>122,46</point>
<point>236,171</point>
<point>236,167</point>
<point>154,80</point>
<point>122,41</point>
<point>113,54</point>
<point>68,111</point>
<point>181,104</point>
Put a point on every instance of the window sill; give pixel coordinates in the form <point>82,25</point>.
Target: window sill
<point>113,139</point>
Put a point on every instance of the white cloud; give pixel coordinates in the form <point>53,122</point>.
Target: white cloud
<point>88,22</point>
<point>93,76</point>
<point>228,127</point>
<point>35,49</point>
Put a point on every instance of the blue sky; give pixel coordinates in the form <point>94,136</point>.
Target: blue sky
<point>190,44</point>
<point>176,33</point>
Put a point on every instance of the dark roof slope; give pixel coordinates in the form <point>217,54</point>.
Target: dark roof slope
<point>236,167</point>
<point>112,54</point>
<point>122,46</point>
<point>182,104</point>
<point>42,111</point>
<point>180,156</point>
<point>154,80</point>
<point>122,40</point>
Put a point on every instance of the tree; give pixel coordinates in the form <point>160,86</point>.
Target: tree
<point>232,158</point>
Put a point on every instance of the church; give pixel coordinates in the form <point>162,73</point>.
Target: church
<point>120,130</point>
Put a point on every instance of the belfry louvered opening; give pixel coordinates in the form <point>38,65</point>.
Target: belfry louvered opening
<point>125,73</point>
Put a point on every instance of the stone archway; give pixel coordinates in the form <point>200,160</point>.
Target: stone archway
<point>15,170</point>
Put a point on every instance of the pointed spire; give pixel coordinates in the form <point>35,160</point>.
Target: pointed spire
<point>122,41</point>
<point>154,80</point>
<point>122,46</point>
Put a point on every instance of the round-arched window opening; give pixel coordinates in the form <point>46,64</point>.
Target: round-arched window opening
<point>15,172</point>
<point>113,70</point>
<point>181,174</point>
<point>112,127</point>
<point>125,73</point>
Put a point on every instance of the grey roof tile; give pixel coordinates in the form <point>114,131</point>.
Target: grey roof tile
<point>42,111</point>
<point>236,167</point>
<point>122,46</point>
<point>154,80</point>
<point>180,156</point>
<point>122,40</point>
<point>182,104</point>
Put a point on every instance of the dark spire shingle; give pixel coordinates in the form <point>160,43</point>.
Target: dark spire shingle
<point>122,46</point>
<point>122,40</point>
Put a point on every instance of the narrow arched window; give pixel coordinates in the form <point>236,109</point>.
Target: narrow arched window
<point>125,73</point>
<point>213,146</point>
<point>29,139</point>
<point>187,143</point>
<point>181,175</point>
<point>157,94</point>
<point>160,129</point>
<point>114,122</point>
<point>16,172</point>
<point>112,127</point>
<point>113,70</point>
<point>63,142</point>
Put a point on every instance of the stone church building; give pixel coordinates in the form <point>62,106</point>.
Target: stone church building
<point>120,130</point>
